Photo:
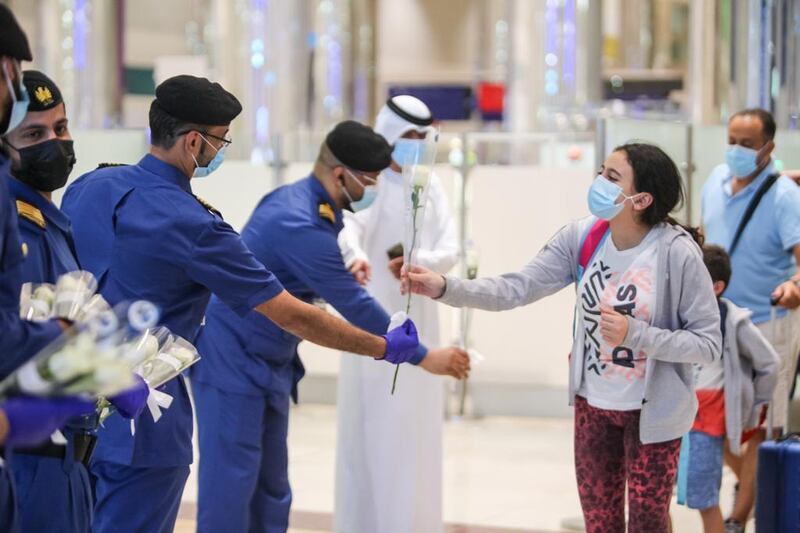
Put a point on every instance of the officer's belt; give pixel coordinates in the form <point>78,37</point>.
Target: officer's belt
<point>83,444</point>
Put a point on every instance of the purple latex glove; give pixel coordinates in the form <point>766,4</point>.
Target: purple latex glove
<point>32,420</point>
<point>130,403</point>
<point>401,343</point>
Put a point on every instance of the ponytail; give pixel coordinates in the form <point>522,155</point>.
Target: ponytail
<point>695,232</point>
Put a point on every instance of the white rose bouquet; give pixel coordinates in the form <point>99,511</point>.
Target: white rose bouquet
<point>162,356</point>
<point>73,291</point>
<point>89,359</point>
<point>36,301</point>
<point>72,298</point>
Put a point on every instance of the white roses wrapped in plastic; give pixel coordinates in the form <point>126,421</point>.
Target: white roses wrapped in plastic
<point>92,358</point>
<point>159,356</point>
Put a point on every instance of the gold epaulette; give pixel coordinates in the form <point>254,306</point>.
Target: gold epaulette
<point>326,212</point>
<point>29,212</point>
<point>210,208</point>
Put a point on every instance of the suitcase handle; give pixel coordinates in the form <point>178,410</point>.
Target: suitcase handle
<point>789,436</point>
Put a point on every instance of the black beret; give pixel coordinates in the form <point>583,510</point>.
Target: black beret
<point>13,42</point>
<point>43,91</point>
<point>358,147</point>
<point>197,100</point>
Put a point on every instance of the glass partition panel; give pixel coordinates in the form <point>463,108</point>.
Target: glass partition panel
<point>708,148</point>
<point>672,137</point>
<point>513,211</point>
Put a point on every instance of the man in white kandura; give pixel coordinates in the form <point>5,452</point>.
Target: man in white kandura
<point>378,490</point>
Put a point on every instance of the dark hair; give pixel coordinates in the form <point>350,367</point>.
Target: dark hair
<point>165,129</point>
<point>655,173</point>
<point>766,118</point>
<point>718,263</point>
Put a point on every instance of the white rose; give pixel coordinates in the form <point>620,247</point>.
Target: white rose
<point>182,353</point>
<point>144,348</point>
<point>421,176</point>
<point>150,346</point>
<point>45,294</point>
<point>73,360</point>
<point>112,377</point>
<point>72,283</point>
<point>106,379</point>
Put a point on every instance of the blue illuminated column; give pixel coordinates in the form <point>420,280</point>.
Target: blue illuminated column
<point>554,68</point>
<point>260,50</point>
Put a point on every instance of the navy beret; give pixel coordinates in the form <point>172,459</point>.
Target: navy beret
<point>43,91</point>
<point>13,42</point>
<point>197,100</point>
<point>358,147</point>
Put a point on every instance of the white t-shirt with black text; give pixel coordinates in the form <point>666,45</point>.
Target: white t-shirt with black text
<point>613,376</point>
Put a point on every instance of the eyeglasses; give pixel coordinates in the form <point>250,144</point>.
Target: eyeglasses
<point>226,141</point>
<point>355,174</point>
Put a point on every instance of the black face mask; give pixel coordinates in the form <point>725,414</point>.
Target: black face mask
<point>45,166</point>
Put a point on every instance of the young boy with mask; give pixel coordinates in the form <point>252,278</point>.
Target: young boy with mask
<point>732,392</point>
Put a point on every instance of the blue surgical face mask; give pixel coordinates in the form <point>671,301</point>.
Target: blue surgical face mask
<point>741,161</point>
<point>603,196</point>
<point>370,193</point>
<point>407,151</point>
<point>214,164</point>
<point>18,107</point>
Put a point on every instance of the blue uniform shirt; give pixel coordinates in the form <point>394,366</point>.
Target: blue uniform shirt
<point>292,232</point>
<point>49,245</point>
<point>50,252</point>
<point>144,235</point>
<point>764,257</point>
<point>19,340</point>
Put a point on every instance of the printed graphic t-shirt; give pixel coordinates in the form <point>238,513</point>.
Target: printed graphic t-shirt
<point>613,376</point>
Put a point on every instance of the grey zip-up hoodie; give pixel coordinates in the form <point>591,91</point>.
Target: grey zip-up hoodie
<point>685,328</point>
<point>750,373</point>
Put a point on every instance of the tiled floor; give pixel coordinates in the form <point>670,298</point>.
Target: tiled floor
<point>501,475</point>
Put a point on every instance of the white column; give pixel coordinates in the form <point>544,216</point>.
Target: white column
<point>79,47</point>
<point>704,55</point>
<point>259,50</point>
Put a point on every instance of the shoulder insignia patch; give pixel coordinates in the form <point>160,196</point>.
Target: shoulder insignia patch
<point>28,212</point>
<point>210,208</point>
<point>326,212</point>
<point>106,165</point>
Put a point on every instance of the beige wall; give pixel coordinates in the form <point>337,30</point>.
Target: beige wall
<point>426,41</point>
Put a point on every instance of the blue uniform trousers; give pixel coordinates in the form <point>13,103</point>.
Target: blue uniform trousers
<point>8,502</point>
<point>135,499</point>
<point>54,495</point>
<point>243,474</point>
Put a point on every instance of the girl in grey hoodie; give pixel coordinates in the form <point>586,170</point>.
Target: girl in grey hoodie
<point>645,312</point>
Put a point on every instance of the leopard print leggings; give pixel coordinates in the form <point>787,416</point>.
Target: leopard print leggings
<point>608,453</point>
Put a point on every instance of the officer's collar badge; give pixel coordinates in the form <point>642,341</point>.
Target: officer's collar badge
<point>31,213</point>
<point>327,212</point>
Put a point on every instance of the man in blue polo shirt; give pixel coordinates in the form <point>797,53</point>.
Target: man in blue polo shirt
<point>764,260</point>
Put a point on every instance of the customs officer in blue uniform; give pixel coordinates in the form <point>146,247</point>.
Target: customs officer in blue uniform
<point>52,475</point>
<point>251,367</point>
<point>143,234</point>
<point>23,421</point>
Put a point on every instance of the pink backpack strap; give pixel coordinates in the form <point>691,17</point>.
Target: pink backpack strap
<point>590,244</point>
